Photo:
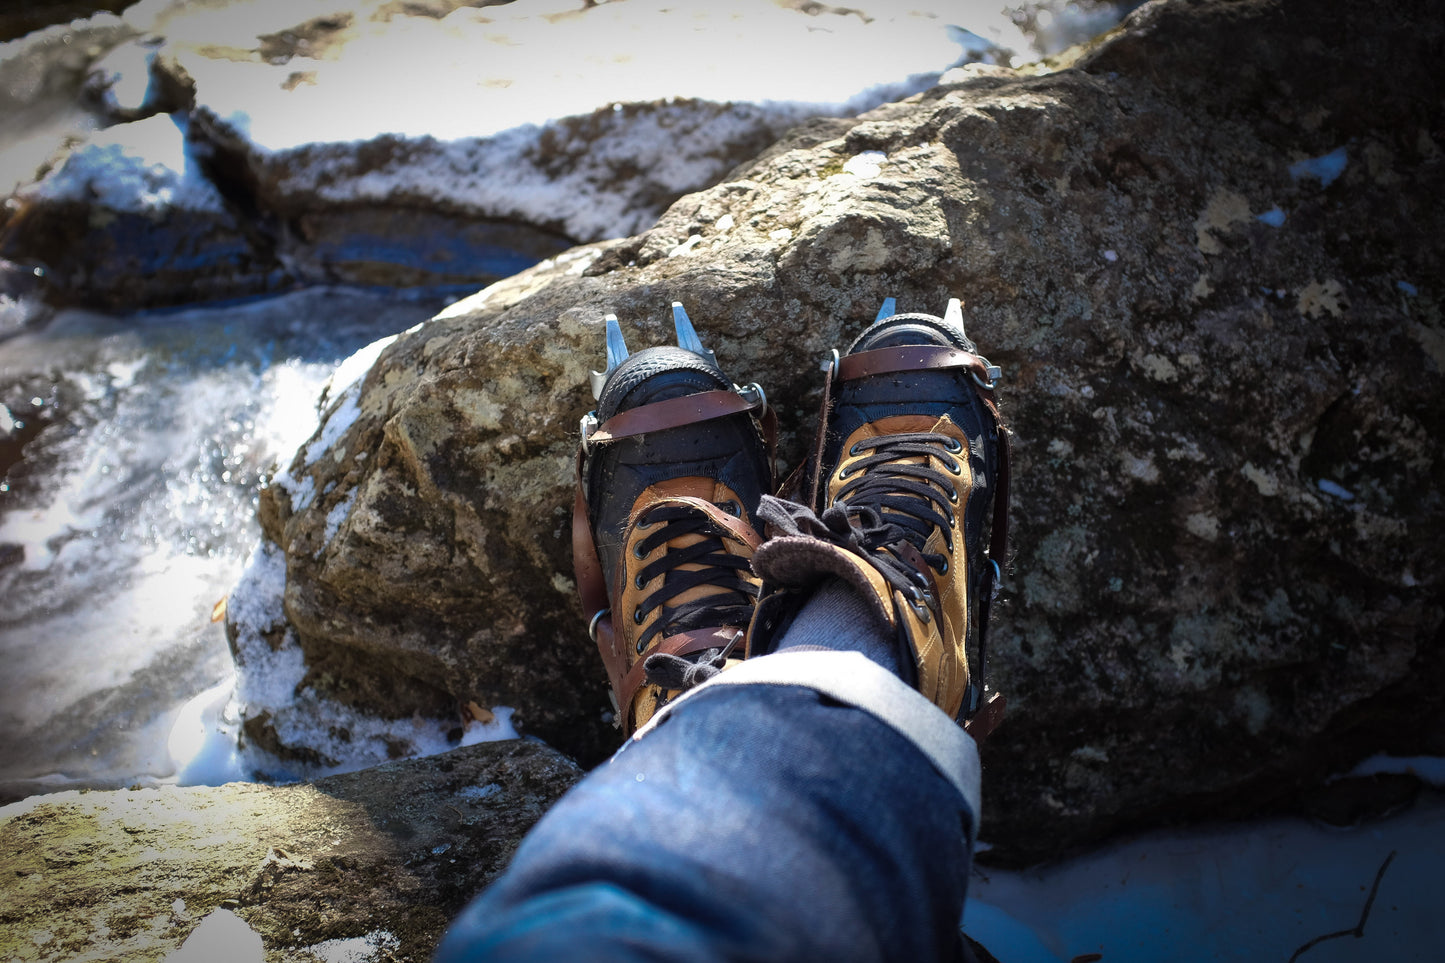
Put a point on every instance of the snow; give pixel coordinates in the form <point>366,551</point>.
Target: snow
<point>517,66</point>
<point>378,945</point>
<point>269,682</point>
<point>477,102</point>
<point>336,517</point>
<point>1325,168</point>
<point>354,368</point>
<point>865,165</point>
<point>337,423</point>
<point>141,167</point>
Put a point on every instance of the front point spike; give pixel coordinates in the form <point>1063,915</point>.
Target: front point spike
<point>616,354</point>
<point>616,347</point>
<point>888,310</point>
<point>687,335</point>
<point>954,315</point>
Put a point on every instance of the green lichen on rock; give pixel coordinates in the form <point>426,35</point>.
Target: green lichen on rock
<point>389,854</point>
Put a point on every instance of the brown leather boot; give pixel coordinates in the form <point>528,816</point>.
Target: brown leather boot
<point>672,465</point>
<point>906,488</point>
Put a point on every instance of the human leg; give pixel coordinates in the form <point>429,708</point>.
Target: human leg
<point>755,820</point>
<point>807,804</point>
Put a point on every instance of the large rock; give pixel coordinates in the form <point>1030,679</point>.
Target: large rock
<point>1204,255</point>
<point>371,865</point>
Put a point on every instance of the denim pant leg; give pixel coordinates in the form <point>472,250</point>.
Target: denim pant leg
<point>753,821</point>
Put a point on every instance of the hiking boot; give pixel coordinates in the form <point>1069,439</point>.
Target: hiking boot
<point>672,465</point>
<point>904,491</point>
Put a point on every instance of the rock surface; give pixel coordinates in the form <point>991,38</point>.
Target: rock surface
<point>373,864</point>
<point>1204,254</point>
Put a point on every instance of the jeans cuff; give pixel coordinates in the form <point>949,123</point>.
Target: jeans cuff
<point>855,680</point>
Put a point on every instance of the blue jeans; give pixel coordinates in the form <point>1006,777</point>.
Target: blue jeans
<point>799,806</point>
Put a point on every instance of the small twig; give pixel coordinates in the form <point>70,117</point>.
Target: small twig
<point>1359,929</point>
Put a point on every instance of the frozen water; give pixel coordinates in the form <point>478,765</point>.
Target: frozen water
<point>132,512</point>
<point>1257,891</point>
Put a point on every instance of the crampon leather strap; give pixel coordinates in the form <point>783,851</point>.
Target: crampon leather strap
<point>863,364</point>
<point>587,567</point>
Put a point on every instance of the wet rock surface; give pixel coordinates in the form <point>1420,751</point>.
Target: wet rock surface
<point>1202,253</point>
<point>370,865</point>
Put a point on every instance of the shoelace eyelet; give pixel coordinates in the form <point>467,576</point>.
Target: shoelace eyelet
<point>855,450</point>
<point>956,468</point>
<point>637,617</point>
<point>639,581</point>
<point>732,508</point>
<point>641,648</point>
<point>953,497</point>
<point>637,551</point>
<point>944,569</point>
<point>954,445</point>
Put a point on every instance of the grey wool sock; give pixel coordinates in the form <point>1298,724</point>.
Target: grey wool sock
<point>837,619</point>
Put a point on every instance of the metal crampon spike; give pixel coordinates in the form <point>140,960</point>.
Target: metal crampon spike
<point>888,310</point>
<point>687,335</point>
<point>616,354</point>
<point>954,315</point>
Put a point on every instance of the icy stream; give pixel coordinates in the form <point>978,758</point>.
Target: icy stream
<point>131,512</point>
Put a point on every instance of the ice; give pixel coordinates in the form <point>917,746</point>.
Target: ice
<point>134,511</point>
<point>1325,168</point>
<point>1254,891</point>
<point>202,743</point>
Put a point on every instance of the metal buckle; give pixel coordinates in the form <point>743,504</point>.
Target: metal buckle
<point>830,365</point>
<point>993,371</point>
<point>592,626</point>
<point>754,395</point>
<point>588,426</point>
